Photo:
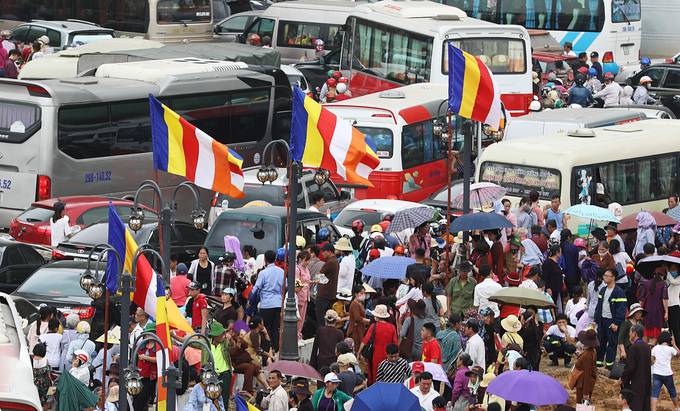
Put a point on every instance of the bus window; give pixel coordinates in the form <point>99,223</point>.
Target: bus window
<point>520,180</point>
<point>334,38</point>
<point>298,34</point>
<point>501,56</point>
<point>84,131</point>
<point>619,181</point>
<point>18,121</point>
<point>174,11</point>
<point>514,12</point>
<point>381,138</point>
<point>131,121</point>
<point>249,108</point>
<point>579,15</point>
<point>624,11</point>
<point>582,189</point>
<point>420,145</point>
<point>657,178</point>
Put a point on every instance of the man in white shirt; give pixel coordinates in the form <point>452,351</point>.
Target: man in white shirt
<point>486,289</point>
<point>475,344</point>
<point>277,400</point>
<point>424,391</point>
<point>531,277</point>
<point>560,341</point>
<point>575,305</point>
<point>318,200</point>
<point>141,318</point>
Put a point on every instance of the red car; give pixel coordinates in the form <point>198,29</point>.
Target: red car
<point>33,225</point>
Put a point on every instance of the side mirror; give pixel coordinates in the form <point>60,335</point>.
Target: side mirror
<point>216,29</point>
<point>344,195</point>
<point>629,81</point>
<point>322,61</point>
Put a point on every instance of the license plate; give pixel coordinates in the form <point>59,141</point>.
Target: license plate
<point>79,259</point>
<point>626,50</point>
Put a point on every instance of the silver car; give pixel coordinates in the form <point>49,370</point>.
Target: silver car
<point>62,34</point>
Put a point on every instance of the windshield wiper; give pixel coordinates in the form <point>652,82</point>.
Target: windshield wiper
<point>182,21</point>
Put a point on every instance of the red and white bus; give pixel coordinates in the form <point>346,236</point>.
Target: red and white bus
<point>394,43</point>
<point>401,125</point>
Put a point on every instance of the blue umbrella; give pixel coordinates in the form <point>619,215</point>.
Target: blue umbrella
<point>479,221</point>
<point>388,267</point>
<point>592,212</point>
<point>385,396</point>
<point>411,218</point>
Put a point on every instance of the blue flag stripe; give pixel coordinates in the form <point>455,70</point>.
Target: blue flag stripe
<point>117,240</point>
<point>456,78</point>
<point>159,133</point>
<point>298,125</point>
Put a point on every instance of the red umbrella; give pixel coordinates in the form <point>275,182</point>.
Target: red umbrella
<point>294,368</point>
<point>662,220</point>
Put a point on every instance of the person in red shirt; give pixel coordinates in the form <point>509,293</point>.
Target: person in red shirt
<point>146,362</point>
<point>179,285</point>
<point>198,309</point>
<point>432,352</point>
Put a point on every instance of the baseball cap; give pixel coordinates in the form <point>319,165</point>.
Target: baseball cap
<point>328,247</point>
<point>399,249</point>
<point>594,54</point>
<point>182,269</point>
<point>374,253</point>
<point>418,366</point>
<point>347,359</point>
<point>331,377</point>
<point>194,285</point>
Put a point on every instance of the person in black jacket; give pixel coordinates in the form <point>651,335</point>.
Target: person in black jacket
<point>610,312</point>
<point>532,333</point>
<point>637,374</point>
<point>303,394</point>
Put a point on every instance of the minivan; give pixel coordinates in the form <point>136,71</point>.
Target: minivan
<point>294,26</point>
<point>264,228</point>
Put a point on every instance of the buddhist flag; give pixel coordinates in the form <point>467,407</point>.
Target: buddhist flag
<point>122,241</point>
<point>182,149</point>
<point>163,333</point>
<point>243,405</point>
<point>473,92</point>
<point>318,138</point>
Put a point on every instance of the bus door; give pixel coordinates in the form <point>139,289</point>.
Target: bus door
<point>628,34</point>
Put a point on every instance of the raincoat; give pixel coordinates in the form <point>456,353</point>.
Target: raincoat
<point>81,343</point>
<point>532,255</point>
<point>646,232</point>
<point>626,96</point>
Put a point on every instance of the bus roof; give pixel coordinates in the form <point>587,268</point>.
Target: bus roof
<point>584,116</point>
<point>414,103</point>
<point>278,9</point>
<point>152,71</point>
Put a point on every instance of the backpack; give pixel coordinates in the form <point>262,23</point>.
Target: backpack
<point>589,270</point>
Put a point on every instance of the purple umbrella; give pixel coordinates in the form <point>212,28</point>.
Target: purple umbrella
<point>294,368</point>
<point>437,372</point>
<point>520,386</point>
<point>241,325</point>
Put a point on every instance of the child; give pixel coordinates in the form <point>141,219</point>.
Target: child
<point>41,372</point>
<point>582,253</point>
<point>439,404</point>
<point>344,298</point>
<point>79,367</point>
<point>662,374</point>
<point>299,285</point>
<point>432,352</point>
<point>52,341</point>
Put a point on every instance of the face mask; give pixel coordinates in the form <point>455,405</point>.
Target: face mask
<point>361,297</point>
<point>602,254</point>
<point>674,273</point>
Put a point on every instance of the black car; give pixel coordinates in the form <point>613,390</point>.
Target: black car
<point>185,241</point>
<point>58,284</point>
<point>17,262</point>
<point>665,84</point>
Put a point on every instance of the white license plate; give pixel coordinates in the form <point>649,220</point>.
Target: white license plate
<point>79,259</point>
<point>626,50</point>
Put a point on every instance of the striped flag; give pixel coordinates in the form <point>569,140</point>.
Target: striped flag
<point>182,149</point>
<point>243,405</point>
<point>163,333</point>
<point>473,92</point>
<point>319,139</point>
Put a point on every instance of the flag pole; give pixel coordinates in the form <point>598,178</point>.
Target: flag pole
<point>106,346</point>
<point>447,276</point>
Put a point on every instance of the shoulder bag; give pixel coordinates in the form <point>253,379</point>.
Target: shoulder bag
<point>367,351</point>
<point>406,345</point>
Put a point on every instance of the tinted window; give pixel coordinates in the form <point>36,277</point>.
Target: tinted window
<point>84,131</point>
<point>672,79</point>
<point>292,34</point>
<point>154,241</point>
<point>12,256</point>
<point>656,74</point>
<point>264,240</point>
<point>382,139</point>
<point>619,181</point>
<point>520,180</point>
<point>35,32</point>
<point>18,121</point>
<point>31,256</point>
<point>657,178</point>
<point>132,124</point>
<point>501,56</point>
<point>93,215</point>
<point>190,235</point>
<point>624,11</point>
<point>16,274</point>
<point>346,217</point>
<point>36,215</point>
<point>234,25</point>
<point>262,27</point>
<point>54,282</point>
<point>19,33</point>
<point>94,234</point>
<point>55,38</point>
<point>420,145</point>
<point>175,11</point>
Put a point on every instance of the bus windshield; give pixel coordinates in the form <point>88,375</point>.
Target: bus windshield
<point>173,11</point>
<point>520,180</point>
<point>502,56</point>
<point>624,11</point>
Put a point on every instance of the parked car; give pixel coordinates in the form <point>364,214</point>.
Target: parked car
<point>275,194</point>
<point>33,225</point>
<point>297,78</point>
<point>665,84</point>
<point>228,29</point>
<point>18,392</point>
<point>61,33</point>
<point>58,284</point>
<point>17,262</point>
<point>370,211</point>
<point>185,241</point>
<point>264,228</point>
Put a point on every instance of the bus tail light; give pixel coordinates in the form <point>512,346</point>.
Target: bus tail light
<point>44,188</point>
<point>6,405</point>
<point>83,312</point>
<point>608,57</point>
<point>58,254</point>
<point>382,115</point>
<point>392,197</point>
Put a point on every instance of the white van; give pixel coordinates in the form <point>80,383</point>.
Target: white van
<point>18,390</point>
<point>294,26</point>
<point>565,119</point>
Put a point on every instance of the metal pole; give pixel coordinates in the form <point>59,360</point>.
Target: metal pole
<point>126,286</point>
<point>448,204</point>
<point>467,148</point>
<point>106,345</point>
<point>289,347</point>
<point>165,226</point>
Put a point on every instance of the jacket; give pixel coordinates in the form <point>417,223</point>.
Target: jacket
<point>611,94</point>
<point>226,345</point>
<point>580,95</point>
<point>618,305</point>
<point>641,96</point>
<point>339,397</point>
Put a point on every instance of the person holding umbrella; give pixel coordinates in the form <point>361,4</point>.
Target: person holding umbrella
<point>330,398</point>
<point>586,366</point>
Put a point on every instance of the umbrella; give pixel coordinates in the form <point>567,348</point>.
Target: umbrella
<point>521,386</point>
<point>675,213</point>
<point>73,394</point>
<point>437,371</point>
<point>384,396</point>
<point>388,267</point>
<point>411,217</point>
<point>592,212</point>
<point>294,368</point>
<point>522,297</point>
<point>481,195</point>
<point>629,222</point>
<point>479,221</point>
<point>241,326</point>
<point>647,265</point>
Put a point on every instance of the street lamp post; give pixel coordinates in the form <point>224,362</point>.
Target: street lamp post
<point>446,135</point>
<point>166,217</point>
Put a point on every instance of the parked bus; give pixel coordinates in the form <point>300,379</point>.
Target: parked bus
<point>394,43</point>
<point>401,125</point>
<point>610,27</point>
<point>166,21</point>
<point>636,174</point>
<point>92,135</point>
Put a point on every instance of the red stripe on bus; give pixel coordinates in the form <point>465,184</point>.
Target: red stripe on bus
<point>415,114</point>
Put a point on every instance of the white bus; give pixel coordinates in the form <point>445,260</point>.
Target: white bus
<point>638,164</point>
<point>166,21</point>
<point>394,43</point>
<point>610,27</point>
<point>92,135</point>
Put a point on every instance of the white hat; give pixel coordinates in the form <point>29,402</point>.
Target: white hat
<point>381,311</point>
<point>600,188</point>
<point>331,377</point>
<point>511,324</point>
<point>344,294</point>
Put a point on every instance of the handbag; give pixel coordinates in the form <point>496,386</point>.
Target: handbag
<point>367,351</point>
<point>585,407</point>
<point>574,375</point>
<point>621,272</point>
<point>406,345</point>
<point>617,370</point>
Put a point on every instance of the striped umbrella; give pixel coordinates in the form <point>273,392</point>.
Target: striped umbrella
<point>388,267</point>
<point>411,218</point>
<point>481,195</point>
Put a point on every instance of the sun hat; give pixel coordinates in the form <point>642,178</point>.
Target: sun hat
<point>516,240</point>
<point>374,253</point>
<point>513,278</point>
<point>488,377</point>
<point>331,377</point>
<point>477,370</point>
<point>613,226</point>
<point>635,308</point>
<point>588,338</point>
<point>216,329</point>
<point>150,327</point>
<point>417,307</point>
<point>579,242</point>
<point>194,285</point>
<point>343,245</point>
<point>331,316</point>
<point>347,359</point>
<point>113,394</point>
<point>381,311</point>
<point>344,294</point>
<point>434,243</point>
<point>599,233</point>
<point>112,339</point>
<point>418,366</point>
<point>511,324</point>
<point>368,288</point>
<point>301,386</point>
<point>113,369</point>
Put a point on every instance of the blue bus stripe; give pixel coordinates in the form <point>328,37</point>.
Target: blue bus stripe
<point>585,42</point>
<point>570,36</point>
